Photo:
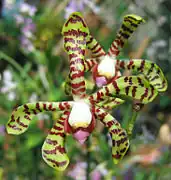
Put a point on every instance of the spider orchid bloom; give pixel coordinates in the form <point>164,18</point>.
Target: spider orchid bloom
<point>106,68</point>
<point>78,116</point>
<point>81,122</point>
<point>106,71</point>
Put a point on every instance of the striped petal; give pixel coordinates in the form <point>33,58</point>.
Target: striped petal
<point>133,87</point>
<point>21,116</point>
<point>95,47</point>
<point>151,71</point>
<point>120,141</point>
<point>75,32</point>
<point>53,150</point>
<point>129,25</point>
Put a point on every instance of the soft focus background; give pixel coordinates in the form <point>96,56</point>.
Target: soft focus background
<point>33,67</point>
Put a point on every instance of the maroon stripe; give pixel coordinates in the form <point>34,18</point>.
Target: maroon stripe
<point>79,19</point>
<point>52,142</point>
<point>127,90</point>
<point>141,68</point>
<point>12,118</point>
<point>61,107</point>
<point>94,47</point>
<point>53,151</point>
<point>26,107</point>
<point>38,107</point>
<point>78,85</point>
<point>99,49</point>
<point>57,133</point>
<point>126,79</point>
<point>122,64</point>
<point>131,62</point>
<point>110,123</point>
<point>90,41</point>
<point>99,55</point>
<point>20,123</point>
<point>76,33</point>
<point>66,39</point>
<point>134,91</point>
<point>77,75</point>
<point>140,82</point>
<point>27,117</point>
<point>55,163</point>
<point>34,111</point>
<point>57,128</point>
<point>107,91</point>
<point>116,87</point>
<point>14,127</point>
<point>116,156</point>
<point>44,106</point>
<point>152,92</point>
<point>50,107</point>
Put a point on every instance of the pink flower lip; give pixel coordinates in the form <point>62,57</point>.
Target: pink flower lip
<point>81,136</point>
<point>101,81</point>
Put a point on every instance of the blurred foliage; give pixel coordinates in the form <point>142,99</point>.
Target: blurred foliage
<point>33,66</point>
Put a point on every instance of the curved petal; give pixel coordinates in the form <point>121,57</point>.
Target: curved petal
<point>150,70</point>
<point>53,149</point>
<point>129,25</point>
<point>134,87</point>
<point>21,116</point>
<point>120,141</point>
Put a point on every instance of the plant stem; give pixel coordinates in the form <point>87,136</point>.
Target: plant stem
<point>131,123</point>
<point>18,67</point>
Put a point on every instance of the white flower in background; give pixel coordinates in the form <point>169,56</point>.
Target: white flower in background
<point>8,4</point>
<point>33,98</point>
<point>8,85</point>
<point>19,19</point>
<point>28,9</point>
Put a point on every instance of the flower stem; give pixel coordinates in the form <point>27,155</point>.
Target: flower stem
<point>131,123</point>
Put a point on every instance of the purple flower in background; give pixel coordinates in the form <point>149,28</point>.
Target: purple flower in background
<point>79,5</point>
<point>79,171</point>
<point>26,44</point>
<point>2,130</point>
<point>28,28</point>
<point>27,9</point>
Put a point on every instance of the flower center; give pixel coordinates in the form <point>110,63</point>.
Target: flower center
<point>107,67</point>
<point>80,115</point>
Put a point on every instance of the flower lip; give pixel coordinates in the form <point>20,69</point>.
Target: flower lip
<point>80,116</point>
<point>81,136</point>
<point>107,67</point>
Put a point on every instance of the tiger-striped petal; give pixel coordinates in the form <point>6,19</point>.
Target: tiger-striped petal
<point>75,32</point>
<point>120,141</point>
<point>129,25</point>
<point>133,87</point>
<point>22,115</point>
<point>53,150</point>
<point>150,70</point>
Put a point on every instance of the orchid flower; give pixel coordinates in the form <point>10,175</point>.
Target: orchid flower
<point>106,68</point>
<point>79,116</point>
